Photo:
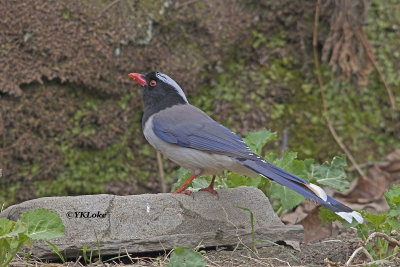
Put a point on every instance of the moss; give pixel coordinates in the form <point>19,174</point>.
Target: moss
<point>8,194</point>
<point>92,153</point>
<point>88,169</point>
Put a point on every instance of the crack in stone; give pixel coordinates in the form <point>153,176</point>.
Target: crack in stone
<point>107,233</point>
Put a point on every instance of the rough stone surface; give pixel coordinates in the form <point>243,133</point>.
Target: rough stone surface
<point>157,222</point>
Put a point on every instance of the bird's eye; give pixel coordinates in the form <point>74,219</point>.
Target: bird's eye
<point>153,83</point>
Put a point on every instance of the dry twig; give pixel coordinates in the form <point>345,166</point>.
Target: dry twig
<point>355,254</point>
<point>395,232</point>
<point>383,235</point>
<point>332,263</point>
<point>370,237</point>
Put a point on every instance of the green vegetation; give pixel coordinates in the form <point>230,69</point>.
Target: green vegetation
<point>183,256</point>
<point>328,174</point>
<point>39,224</point>
<point>253,241</point>
<point>85,257</point>
<point>361,116</point>
<point>87,171</point>
<point>56,250</point>
<point>87,168</point>
<point>386,223</point>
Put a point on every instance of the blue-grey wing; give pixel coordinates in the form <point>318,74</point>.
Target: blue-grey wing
<point>188,126</point>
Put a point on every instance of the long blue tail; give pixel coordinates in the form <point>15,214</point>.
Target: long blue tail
<point>301,186</point>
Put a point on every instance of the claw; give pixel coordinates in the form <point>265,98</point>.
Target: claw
<point>186,192</point>
<point>181,189</point>
<point>210,188</point>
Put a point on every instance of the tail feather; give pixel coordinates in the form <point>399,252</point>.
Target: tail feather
<point>301,186</point>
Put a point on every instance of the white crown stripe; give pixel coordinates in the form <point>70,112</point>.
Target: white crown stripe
<point>165,78</point>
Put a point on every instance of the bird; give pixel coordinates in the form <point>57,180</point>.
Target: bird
<point>192,139</point>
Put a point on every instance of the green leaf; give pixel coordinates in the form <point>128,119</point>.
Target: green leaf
<point>98,245</point>
<point>13,247</point>
<point>393,199</point>
<point>5,226</point>
<point>234,180</point>
<point>42,224</point>
<point>257,140</point>
<point>4,246</point>
<point>19,228</point>
<point>56,250</point>
<point>331,175</point>
<point>252,225</point>
<point>201,182</point>
<point>327,216</point>
<point>183,256</point>
<point>25,240</point>
<point>84,249</point>
<point>183,175</point>
<point>290,163</point>
<point>376,222</point>
<point>393,223</point>
<point>289,198</point>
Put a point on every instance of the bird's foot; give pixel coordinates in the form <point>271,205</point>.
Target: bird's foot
<point>209,189</point>
<point>182,190</point>
<point>186,192</point>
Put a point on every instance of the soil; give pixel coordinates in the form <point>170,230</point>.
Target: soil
<point>334,251</point>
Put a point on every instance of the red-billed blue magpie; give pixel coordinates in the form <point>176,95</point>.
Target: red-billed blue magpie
<point>190,138</point>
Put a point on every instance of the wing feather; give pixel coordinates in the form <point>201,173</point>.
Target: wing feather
<point>188,126</point>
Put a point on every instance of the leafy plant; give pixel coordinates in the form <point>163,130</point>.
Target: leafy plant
<point>85,258</point>
<point>56,250</point>
<point>183,256</point>
<point>84,251</point>
<point>98,245</point>
<point>331,174</point>
<point>386,222</point>
<point>376,224</point>
<point>38,224</point>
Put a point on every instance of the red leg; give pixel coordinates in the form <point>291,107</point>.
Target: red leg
<point>181,189</point>
<point>210,188</point>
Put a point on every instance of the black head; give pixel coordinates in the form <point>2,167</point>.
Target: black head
<point>159,92</point>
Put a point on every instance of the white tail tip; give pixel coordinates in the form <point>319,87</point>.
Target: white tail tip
<point>348,216</point>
